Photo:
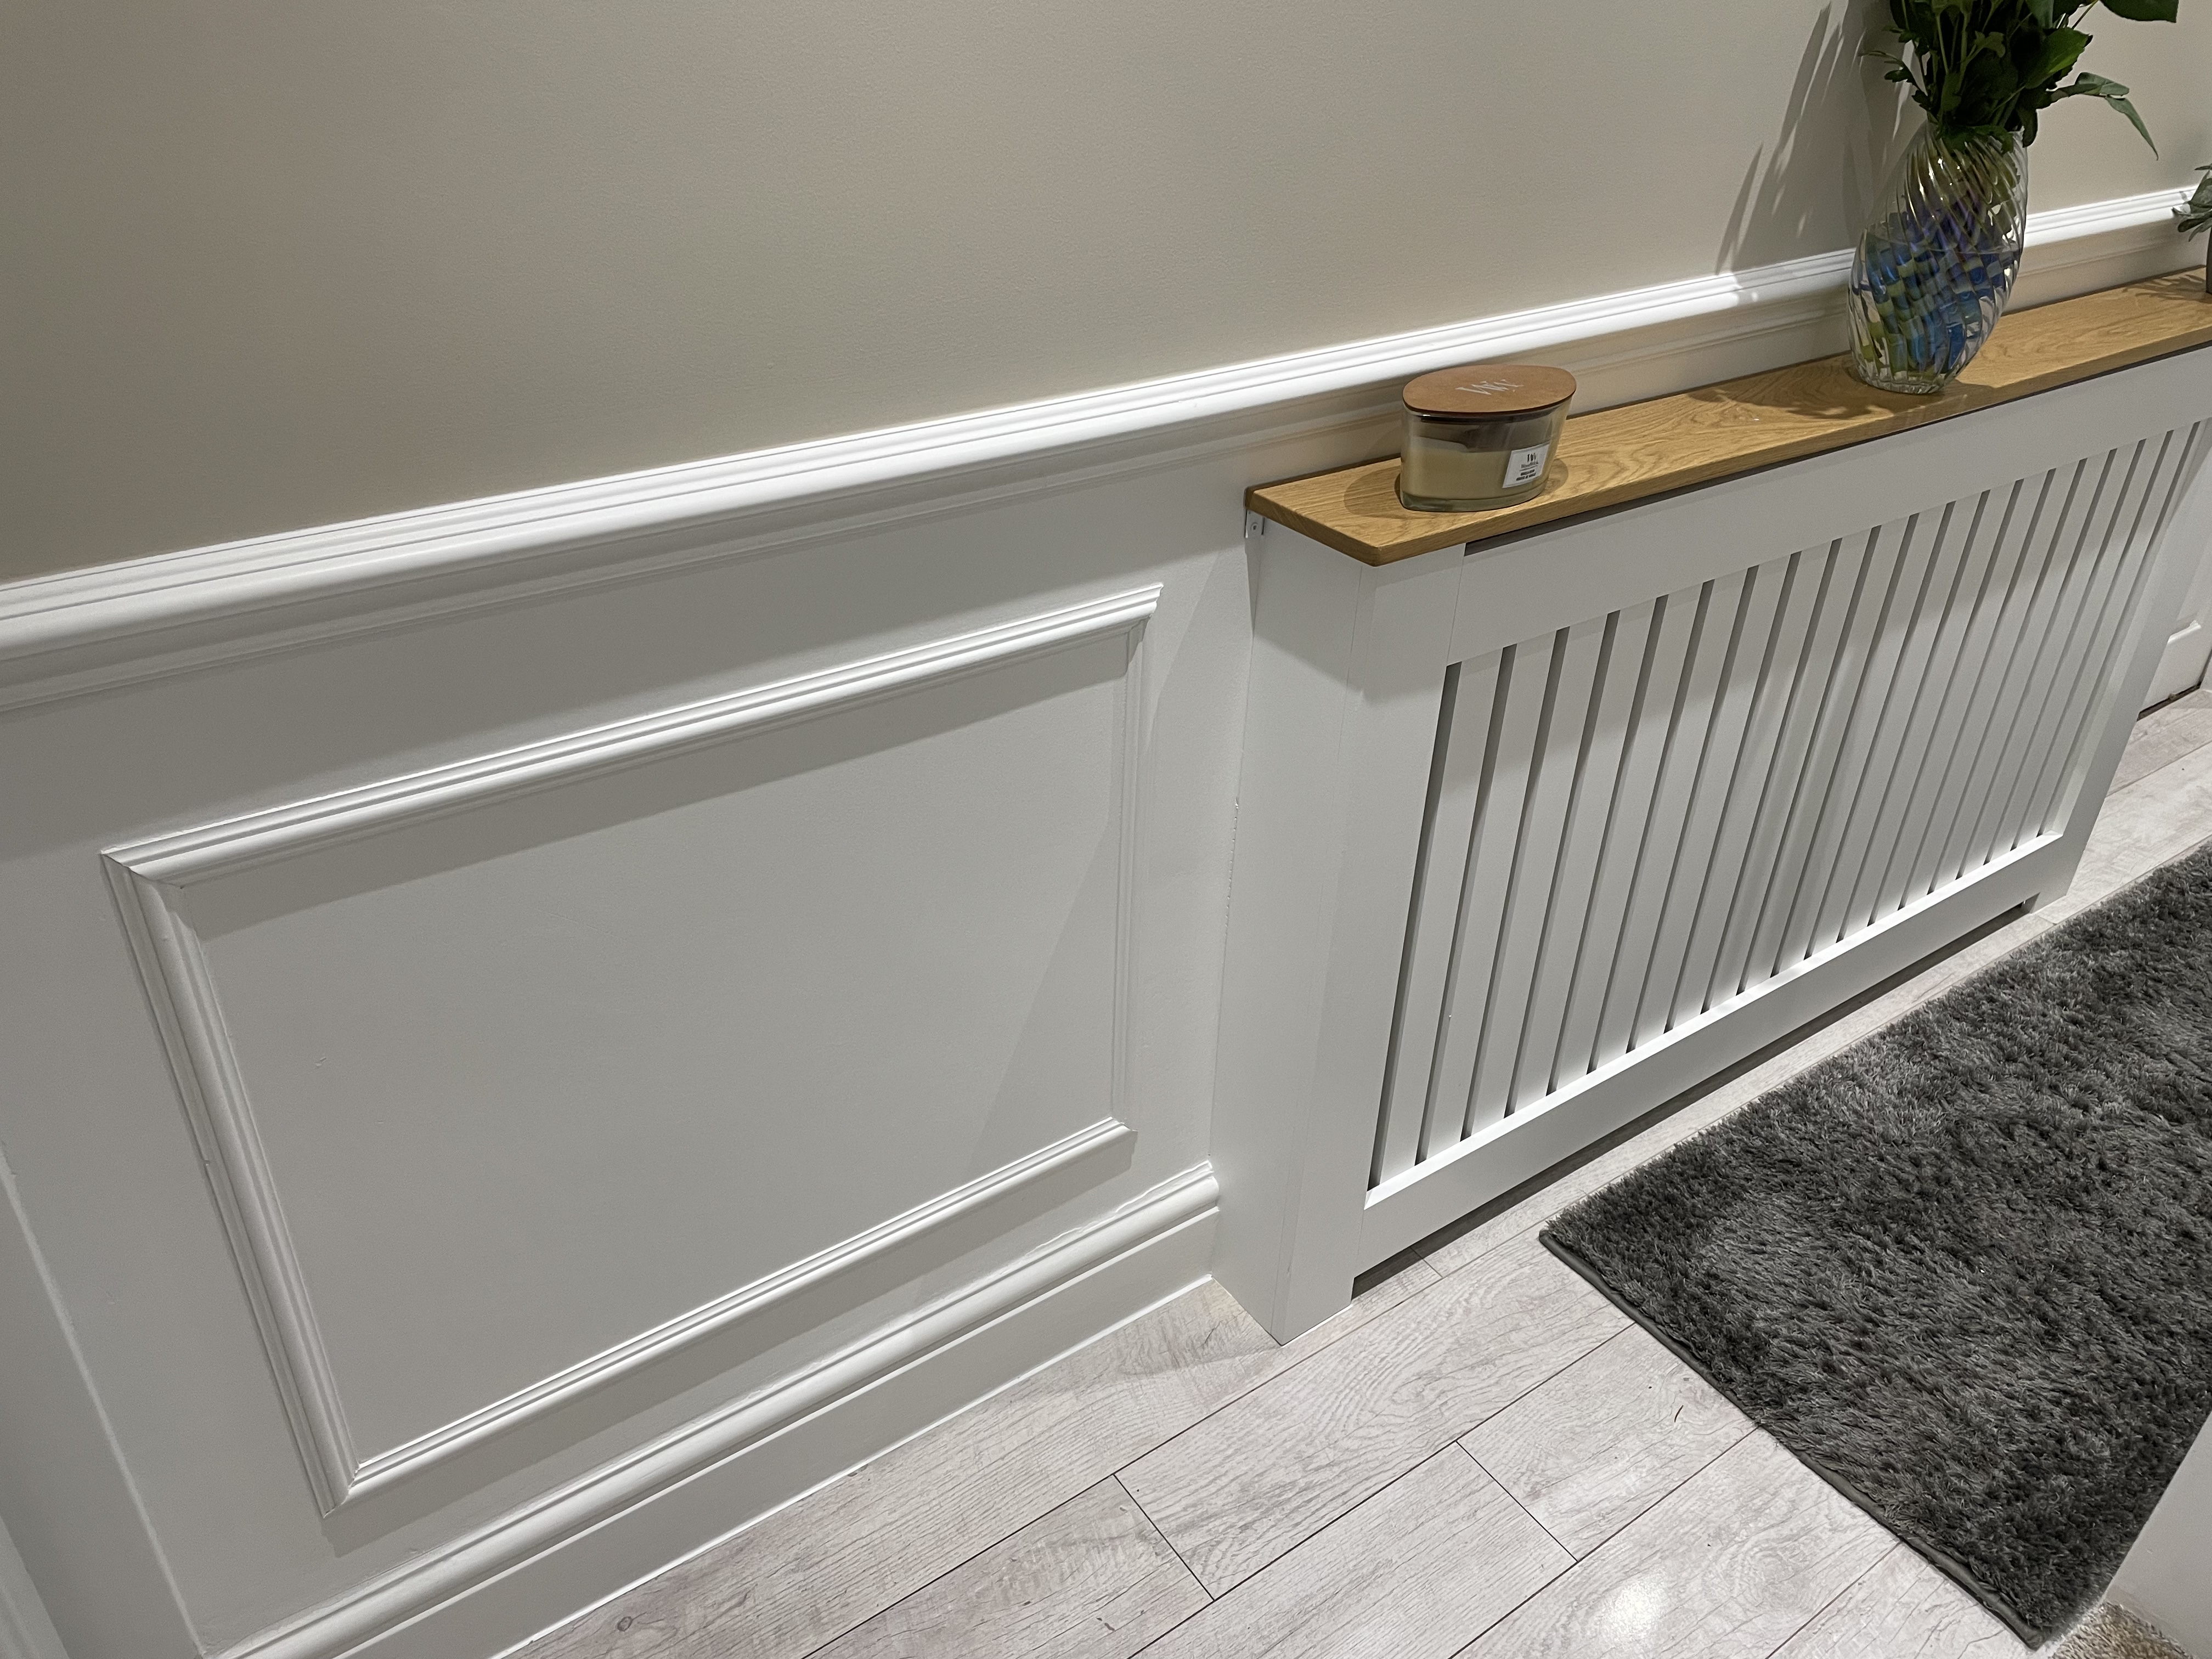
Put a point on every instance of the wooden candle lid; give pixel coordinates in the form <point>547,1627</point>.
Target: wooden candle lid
<point>1495,389</point>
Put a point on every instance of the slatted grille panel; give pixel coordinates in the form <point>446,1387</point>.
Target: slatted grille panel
<point>1637,819</point>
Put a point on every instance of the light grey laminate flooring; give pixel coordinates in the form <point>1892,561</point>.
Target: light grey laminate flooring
<point>1479,1459</point>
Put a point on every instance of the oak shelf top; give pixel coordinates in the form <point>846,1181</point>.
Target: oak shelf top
<point>1613,456</point>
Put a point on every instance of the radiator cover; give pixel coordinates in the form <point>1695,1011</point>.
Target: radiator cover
<point>1537,833</point>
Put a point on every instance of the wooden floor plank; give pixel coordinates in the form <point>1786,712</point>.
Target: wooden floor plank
<point>1264,1474</point>
<point>811,1571</point>
<point>1903,1609</point>
<point>1093,1580</point>
<point>2150,823</point>
<point>1729,1565</point>
<point>2165,735</point>
<point>1410,1574</point>
<point>1607,1438</point>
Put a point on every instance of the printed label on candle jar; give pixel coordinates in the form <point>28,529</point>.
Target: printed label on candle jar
<point>1525,466</point>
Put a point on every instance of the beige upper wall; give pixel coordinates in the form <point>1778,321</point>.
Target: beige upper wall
<point>276,263</point>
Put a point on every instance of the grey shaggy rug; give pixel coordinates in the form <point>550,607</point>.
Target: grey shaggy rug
<point>1964,1268</point>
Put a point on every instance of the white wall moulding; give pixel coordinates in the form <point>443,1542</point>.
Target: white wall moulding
<point>584,1541</point>
<point>225,849</point>
<point>153,881</point>
<point>1539,833</point>
<point>81,631</point>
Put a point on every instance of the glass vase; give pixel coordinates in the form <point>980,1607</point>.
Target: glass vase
<point>1933,271</point>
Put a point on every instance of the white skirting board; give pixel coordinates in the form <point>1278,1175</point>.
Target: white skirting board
<point>537,1568</point>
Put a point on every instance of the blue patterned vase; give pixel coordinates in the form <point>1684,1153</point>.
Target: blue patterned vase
<point>1933,271</point>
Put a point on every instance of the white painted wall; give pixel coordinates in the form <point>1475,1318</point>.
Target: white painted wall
<point>271,266</point>
<point>26,1632</point>
<point>2188,645</point>
<point>2167,1576</point>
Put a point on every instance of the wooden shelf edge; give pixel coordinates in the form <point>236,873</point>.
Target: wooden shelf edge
<point>1611,458</point>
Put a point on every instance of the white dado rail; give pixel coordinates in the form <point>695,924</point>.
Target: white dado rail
<point>1549,822</point>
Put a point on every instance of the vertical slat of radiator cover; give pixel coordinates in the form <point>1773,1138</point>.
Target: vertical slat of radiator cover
<point>1590,820</point>
<point>2025,684</point>
<point>2143,555</point>
<point>2072,628</point>
<point>2177,541</point>
<point>2112,592</point>
<point>1730,868</point>
<point>1464,745</point>
<point>1961,656</point>
<point>1439,750</point>
<point>1894,580</point>
<point>1743,673</point>
<point>1901,740</point>
<point>1718,611</point>
<point>1828,578</point>
<point>1570,703</point>
<point>1862,576</point>
<point>1982,740</point>
<point>1859,779</point>
<point>1659,679</point>
<point>1491,855</point>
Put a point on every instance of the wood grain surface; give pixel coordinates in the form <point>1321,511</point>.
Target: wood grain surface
<point>1615,456</point>
<point>1093,1580</point>
<point>1730,1566</point>
<point>1904,1607</point>
<point>1261,1476</point>
<point>1411,1574</point>
<point>1607,1438</point>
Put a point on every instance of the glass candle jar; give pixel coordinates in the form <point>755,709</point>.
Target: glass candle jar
<point>1480,437</point>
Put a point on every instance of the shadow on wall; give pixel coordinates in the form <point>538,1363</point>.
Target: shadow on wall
<point>1810,190</point>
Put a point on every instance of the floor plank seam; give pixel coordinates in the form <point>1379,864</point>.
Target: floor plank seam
<point>1517,1503</point>
<point>1572,1561</point>
<point>1821,1612</point>
<point>1210,1598</point>
<point>961,1565</point>
<point>1222,1405</point>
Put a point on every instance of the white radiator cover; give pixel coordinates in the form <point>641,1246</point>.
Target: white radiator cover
<point>1611,804</point>
<point>1639,818</point>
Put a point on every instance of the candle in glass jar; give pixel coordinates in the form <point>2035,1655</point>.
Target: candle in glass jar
<point>1480,437</point>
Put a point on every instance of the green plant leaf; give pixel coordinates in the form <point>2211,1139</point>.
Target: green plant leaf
<point>2196,213</point>
<point>2040,10</point>
<point>2061,50</point>
<point>2145,11</point>
<point>2098,86</point>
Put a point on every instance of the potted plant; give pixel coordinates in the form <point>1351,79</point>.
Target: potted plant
<point>1932,272</point>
